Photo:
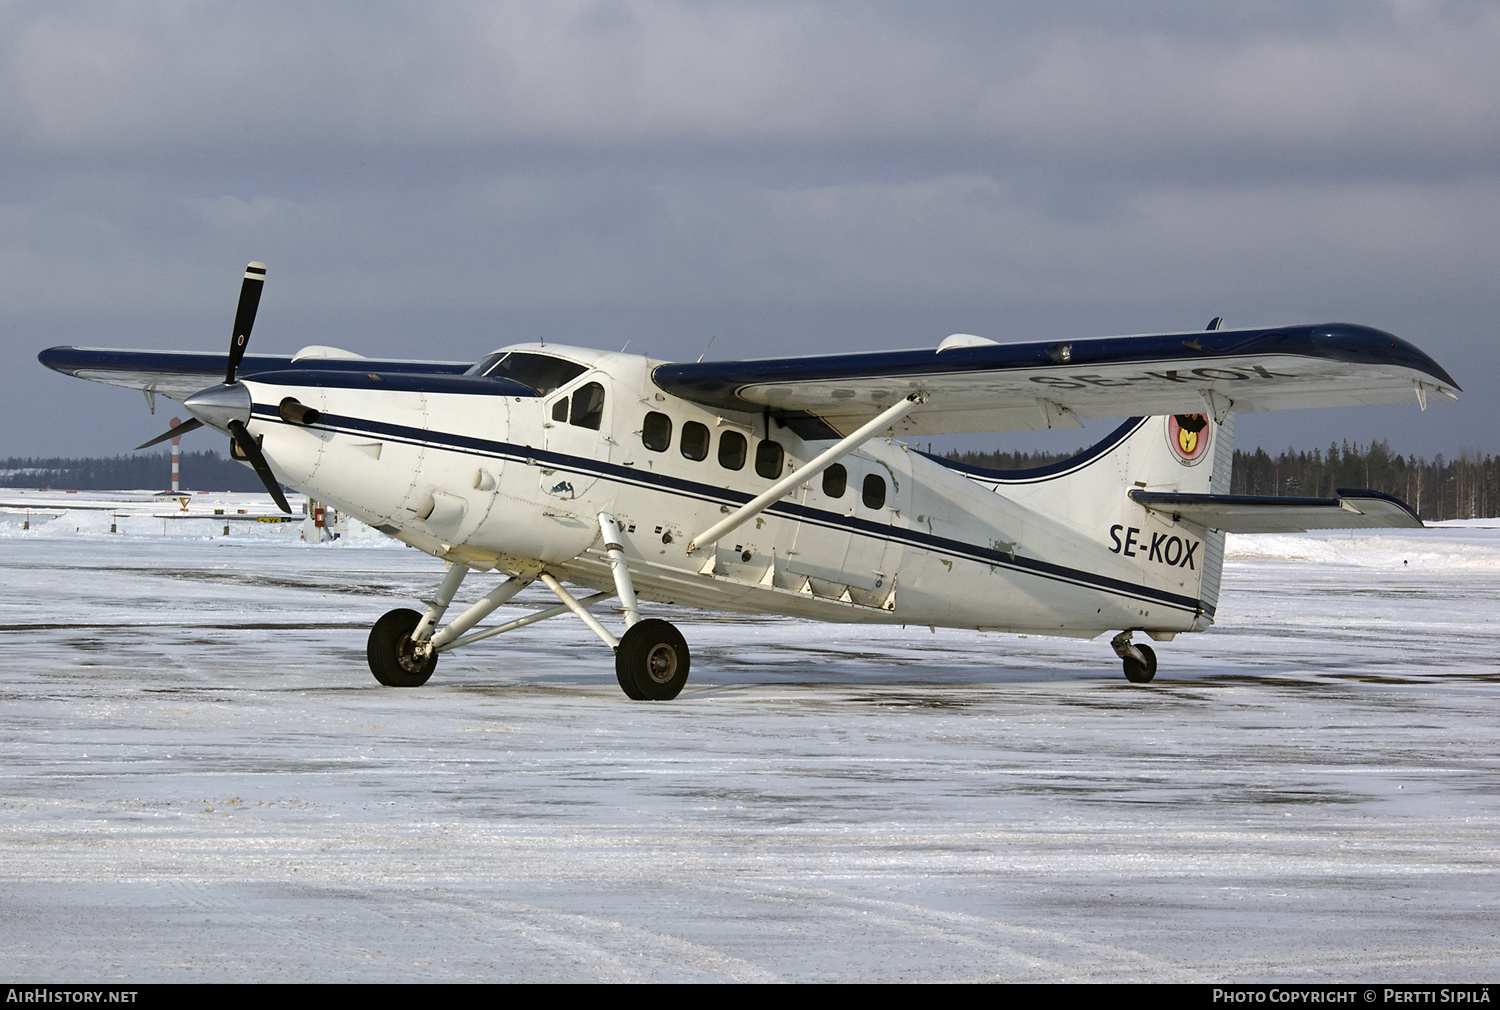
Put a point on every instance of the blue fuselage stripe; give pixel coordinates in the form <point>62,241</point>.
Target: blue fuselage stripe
<point>727,496</point>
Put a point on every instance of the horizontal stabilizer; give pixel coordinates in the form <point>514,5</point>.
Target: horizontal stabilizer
<point>1243,513</point>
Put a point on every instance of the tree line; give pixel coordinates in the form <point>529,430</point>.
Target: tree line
<point>1464,487</point>
<point>199,471</point>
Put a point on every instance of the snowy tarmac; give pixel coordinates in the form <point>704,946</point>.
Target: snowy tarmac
<point>202,782</point>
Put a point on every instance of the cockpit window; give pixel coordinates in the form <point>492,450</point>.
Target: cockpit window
<point>542,372</point>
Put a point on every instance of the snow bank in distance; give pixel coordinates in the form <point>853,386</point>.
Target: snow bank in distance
<point>1456,544</point>
<point>190,516</point>
<point>96,524</point>
<point>1463,544</point>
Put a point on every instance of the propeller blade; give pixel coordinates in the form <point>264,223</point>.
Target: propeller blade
<point>187,425</point>
<point>244,316</point>
<point>248,446</point>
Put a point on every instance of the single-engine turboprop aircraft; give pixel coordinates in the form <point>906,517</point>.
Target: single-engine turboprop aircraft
<point>778,486</point>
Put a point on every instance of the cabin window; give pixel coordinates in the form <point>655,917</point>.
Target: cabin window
<point>769,458</point>
<point>694,441</point>
<point>588,406</point>
<point>874,491</point>
<point>560,410</point>
<point>835,480</point>
<point>656,433</point>
<point>732,450</point>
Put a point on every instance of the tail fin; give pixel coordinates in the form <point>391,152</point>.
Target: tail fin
<point>1088,494</point>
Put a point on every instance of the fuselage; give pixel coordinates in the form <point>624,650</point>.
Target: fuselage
<point>509,467</point>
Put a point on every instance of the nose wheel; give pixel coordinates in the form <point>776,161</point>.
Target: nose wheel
<point>651,661</point>
<point>393,656</point>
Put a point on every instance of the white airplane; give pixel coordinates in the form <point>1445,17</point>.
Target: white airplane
<point>778,486</point>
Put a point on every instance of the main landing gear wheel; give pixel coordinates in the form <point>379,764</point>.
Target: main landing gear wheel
<point>652,661</point>
<point>393,658</point>
<point>1141,673</point>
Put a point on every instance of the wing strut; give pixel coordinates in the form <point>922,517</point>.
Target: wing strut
<point>796,479</point>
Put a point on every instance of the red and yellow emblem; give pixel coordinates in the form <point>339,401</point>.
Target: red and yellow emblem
<point>1188,435</point>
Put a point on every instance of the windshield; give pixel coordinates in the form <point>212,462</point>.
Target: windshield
<point>542,372</point>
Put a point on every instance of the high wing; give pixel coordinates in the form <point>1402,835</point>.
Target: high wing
<point>972,384</point>
<point>180,374</point>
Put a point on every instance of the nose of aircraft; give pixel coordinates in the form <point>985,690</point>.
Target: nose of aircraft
<point>216,406</point>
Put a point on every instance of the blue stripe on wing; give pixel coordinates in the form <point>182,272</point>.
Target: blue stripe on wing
<point>72,360</point>
<point>718,383</point>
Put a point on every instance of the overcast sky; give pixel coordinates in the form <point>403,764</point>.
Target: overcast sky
<point>435,180</point>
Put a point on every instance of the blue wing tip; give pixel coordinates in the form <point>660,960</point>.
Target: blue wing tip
<point>57,359</point>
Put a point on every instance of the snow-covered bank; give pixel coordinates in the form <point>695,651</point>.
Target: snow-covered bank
<point>1442,547</point>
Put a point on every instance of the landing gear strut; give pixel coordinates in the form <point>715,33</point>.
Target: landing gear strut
<point>651,658</point>
<point>1139,658</point>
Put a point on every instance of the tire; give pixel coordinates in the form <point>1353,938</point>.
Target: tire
<point>652,661</point>
<point>390,651</point>
<point>1135,672</point>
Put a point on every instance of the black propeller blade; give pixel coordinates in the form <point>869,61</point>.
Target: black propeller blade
<point>251,450</point>
<point>244,316</point>
<point>185,426</point>
<point>244,321</point>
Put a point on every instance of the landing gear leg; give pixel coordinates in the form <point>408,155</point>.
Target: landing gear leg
<point>610,527</point>
<point>1139,659</point>
<point>440,602</point>
<point>652,658</point>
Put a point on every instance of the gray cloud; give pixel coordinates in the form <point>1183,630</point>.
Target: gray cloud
<point>785,176</point>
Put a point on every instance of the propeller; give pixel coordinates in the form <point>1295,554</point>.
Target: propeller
<point>244,321</point>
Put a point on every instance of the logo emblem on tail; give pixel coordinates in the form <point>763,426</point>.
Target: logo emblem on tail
<point>1188,435</point>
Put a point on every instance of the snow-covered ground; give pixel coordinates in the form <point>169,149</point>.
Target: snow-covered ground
<point>201,781</point>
